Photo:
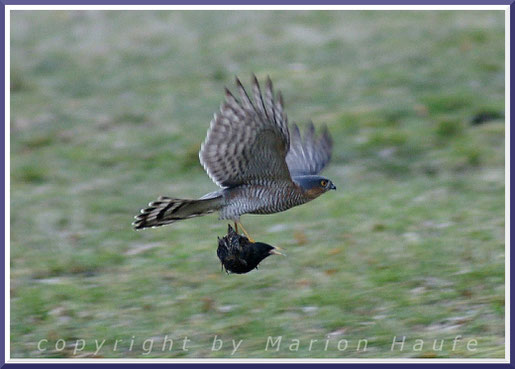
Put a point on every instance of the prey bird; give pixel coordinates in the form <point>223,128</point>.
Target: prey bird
<point>238,255</point>
<point>262,164</point>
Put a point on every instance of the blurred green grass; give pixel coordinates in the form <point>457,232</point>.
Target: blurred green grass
<point>108,110</point>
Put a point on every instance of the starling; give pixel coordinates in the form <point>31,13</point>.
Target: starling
<point>239,255</point>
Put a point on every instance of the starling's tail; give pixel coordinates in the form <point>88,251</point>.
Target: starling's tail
<point>167,210</point>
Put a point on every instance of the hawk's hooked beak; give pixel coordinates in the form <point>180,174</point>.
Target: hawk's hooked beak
<point>333,187</point>
<point>275,252</point>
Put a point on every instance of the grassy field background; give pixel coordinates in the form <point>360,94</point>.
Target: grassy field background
<point>108,111</point>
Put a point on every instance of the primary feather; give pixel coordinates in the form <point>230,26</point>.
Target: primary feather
<point>247,141</point>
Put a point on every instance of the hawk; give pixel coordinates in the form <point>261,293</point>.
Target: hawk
<point>262,165</point>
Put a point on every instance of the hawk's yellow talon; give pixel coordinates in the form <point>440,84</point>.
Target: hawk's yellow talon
<point>244,231</point>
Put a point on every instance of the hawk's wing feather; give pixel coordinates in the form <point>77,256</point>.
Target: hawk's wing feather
<point>247,140</point>
<point>309,155</point>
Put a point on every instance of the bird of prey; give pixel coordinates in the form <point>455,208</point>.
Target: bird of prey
<point>238,255</point>
<point>262,165</point>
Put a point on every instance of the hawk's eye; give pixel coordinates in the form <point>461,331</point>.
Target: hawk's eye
<point>323,183</point>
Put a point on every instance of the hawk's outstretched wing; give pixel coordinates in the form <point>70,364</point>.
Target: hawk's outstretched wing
<point>248,140</point>
<point>311,154</point>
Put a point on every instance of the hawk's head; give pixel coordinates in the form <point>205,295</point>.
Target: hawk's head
<point>314,186</point>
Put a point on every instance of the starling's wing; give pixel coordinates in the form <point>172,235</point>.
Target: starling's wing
<point>311,154</point>
<point>248,140</point>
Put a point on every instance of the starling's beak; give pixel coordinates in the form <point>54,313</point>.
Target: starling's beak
<point>275,252</point>
<point>333,187</point>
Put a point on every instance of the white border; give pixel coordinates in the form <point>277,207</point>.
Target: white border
<point>507,111</point>
<point>9,8</point>
<point>256,7</point>
<point>264,361</point>
<point>7,202</point>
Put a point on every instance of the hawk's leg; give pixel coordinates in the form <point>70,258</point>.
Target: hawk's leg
<point>244,231</point>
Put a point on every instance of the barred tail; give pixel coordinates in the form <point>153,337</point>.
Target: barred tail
<point>167,210</point>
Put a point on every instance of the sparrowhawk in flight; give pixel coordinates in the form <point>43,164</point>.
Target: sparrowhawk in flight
<point>262,164</point>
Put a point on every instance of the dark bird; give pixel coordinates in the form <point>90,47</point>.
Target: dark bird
<point>262,165</point>
<point>238,255</point>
